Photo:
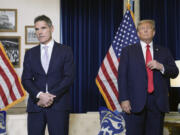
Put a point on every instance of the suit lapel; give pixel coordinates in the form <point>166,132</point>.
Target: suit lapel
<point>53,56</point>
<point>156,52</point>
<point>140,56</point>
<point>37,59</point>
<point>156,57</point>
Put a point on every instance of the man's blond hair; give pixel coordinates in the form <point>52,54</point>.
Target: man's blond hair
<point>152,22</point>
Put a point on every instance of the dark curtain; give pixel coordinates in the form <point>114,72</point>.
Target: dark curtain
<point>88,26</point>
<point>166,14</point>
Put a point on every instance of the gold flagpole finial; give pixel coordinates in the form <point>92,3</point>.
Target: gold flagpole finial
<point>128,5</point>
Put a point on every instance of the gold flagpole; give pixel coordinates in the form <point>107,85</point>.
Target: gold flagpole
<point>129,8</point>
<point>128,5</point>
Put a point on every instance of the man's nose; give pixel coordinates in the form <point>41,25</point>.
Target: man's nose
<point>40,31</point>
<point>146,29</point>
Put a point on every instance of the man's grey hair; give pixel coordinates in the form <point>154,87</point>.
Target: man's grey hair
<point>43,18</point>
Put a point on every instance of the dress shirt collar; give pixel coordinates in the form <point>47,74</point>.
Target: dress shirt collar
<point>143,44</point>
<point>50,44</point>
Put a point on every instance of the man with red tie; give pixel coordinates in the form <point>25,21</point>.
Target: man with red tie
<point>143,81</point>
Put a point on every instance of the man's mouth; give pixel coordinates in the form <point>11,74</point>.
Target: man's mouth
<point>41,36</point>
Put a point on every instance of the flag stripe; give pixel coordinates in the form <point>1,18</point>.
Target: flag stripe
<point>12,72</point>
<point>4,99</point>
<point>5,88</point>
<point>113,68</point>
<point>109,100</point>
<point>6,79</point>
<point>110,75</point>
<point>11,79</point>
<point>113,57</point>
<point>110,82</point>
<point>111,95</point>
<point>1,102</point>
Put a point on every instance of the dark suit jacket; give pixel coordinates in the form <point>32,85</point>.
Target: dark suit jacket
<point>59,77</point>
<point>132,77</point>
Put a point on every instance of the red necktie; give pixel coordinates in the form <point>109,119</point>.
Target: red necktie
<point>149,71</point>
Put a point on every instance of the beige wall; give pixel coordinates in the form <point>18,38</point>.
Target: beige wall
<point>27,10</point>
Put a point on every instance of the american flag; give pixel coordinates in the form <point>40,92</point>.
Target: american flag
<point>106,79</point>
<point>11,90</point>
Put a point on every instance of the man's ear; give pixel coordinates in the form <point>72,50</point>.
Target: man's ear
<point>52,28</point>
<point>154,33</point>
<point>138,34</point>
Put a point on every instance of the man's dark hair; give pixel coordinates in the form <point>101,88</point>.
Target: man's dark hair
<point>43,18</point>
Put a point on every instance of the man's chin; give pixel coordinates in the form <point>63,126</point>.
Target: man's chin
<point>42,41</point>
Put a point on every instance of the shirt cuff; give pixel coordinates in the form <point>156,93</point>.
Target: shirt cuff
<point>39,94</point>
<point>162,71</point>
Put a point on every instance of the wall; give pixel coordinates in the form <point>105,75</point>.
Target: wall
<point>27,10</point>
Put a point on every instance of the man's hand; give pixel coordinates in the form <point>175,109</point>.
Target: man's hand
<point>155,65</point>
<point>126,107</point>
<point>45,99</point>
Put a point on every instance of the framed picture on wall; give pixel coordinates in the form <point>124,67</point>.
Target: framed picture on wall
<point>12,46</point>
<point>30,35</point>
<point>8,20</point>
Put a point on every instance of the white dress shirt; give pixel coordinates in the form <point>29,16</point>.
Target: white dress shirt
<point>50,48</point>
<point>143,46</point>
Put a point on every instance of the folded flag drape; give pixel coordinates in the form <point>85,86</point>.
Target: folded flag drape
<point>112,123</point>
<point>3,123</point>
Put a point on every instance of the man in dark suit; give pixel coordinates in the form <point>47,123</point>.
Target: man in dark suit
<point>47,76</point>
<point>143,81</point>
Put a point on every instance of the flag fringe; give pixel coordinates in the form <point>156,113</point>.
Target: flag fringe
<point>14,103</point>
<point>104,95</point>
